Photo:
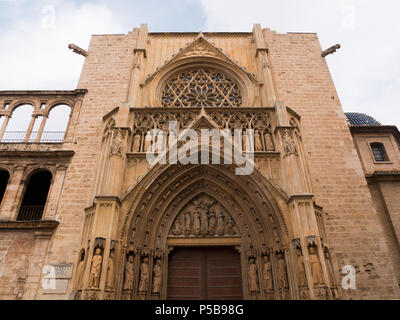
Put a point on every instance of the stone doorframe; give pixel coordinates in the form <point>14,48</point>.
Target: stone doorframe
<point>146,232</point>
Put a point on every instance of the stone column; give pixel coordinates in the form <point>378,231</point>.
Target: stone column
<point>41,128</point>
<point>140,54</point>
<point>301,198</point>
<point>29,131</point>
<point>4,127</point>
<point>268,96</point>
<point>104,231</point>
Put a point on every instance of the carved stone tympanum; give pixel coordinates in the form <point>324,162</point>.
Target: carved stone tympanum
<point>204,217</point>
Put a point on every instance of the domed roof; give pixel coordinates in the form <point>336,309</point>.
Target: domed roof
<point>361,119</point>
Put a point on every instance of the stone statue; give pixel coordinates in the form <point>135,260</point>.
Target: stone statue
<point>268,142</point>
<point>95,272</point>
<point>79,270</point>
<point>331,274</point>
<point>300,267</point>
<point>110,271</point>
<point>257,141</point>
<point>129,274</point>
<point>220,222</point>
<point>137,143</point>
<point>177,231</point>
<point>230,226</point>
<point>196,223</point>
<point>283,281</point>
<point>188,222</point>
<point>204,218</point>
<point>144,276</point>
<point>276,235</point>
<point>253,277</point>
<point>157,277</point>
<point>117,144</point>
<point>316,268</point>
<point>267,274</point>
<point>212,223</point>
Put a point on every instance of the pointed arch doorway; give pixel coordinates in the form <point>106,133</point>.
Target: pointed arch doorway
<point>167,224</point>
<point>204,273</point>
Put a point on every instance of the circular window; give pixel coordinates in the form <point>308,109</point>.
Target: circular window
<point>201,87</point>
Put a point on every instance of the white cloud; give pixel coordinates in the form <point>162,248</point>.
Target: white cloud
<point>34,52</point>
<point>366,70</point>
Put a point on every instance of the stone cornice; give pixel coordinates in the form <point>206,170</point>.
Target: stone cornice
<point>42,225</point>
<point>43,92</point>
<point>37,154</point>
<point>377,129</point>
<point>383,175</point>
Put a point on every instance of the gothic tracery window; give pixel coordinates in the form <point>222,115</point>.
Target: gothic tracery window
<point>201,87</point>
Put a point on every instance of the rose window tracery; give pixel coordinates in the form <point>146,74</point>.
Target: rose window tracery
<point>201,88</point>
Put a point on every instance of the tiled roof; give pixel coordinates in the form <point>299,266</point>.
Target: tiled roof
<point>360,119</point>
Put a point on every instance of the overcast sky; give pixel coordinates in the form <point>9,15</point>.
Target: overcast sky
<point>34,35</point>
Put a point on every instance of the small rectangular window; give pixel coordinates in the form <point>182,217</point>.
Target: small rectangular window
<point>379,152</point>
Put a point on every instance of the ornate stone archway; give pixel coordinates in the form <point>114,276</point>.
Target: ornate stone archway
<point>174,212</point>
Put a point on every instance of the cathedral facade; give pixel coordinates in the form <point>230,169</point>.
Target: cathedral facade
<point>85,215</point>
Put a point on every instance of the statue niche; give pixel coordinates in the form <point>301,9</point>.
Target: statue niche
<point>204,217</point>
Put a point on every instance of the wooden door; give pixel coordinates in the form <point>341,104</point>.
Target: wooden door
<point>204,274</point>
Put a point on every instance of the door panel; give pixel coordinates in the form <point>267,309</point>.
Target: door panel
<point>204,274</point>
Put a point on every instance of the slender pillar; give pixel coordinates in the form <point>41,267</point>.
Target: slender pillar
<point>4,126</point>
<point>29,131</point>
<point>269,95</point>
<point>41,128</point>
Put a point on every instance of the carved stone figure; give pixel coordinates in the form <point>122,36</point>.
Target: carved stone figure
<point>282,272</point>
<point>316,268</point>
<point>267,274</point>
<point>276,235</point>
<point>177,231</point>
<point>289,145</point>
<point>204,218</point>
<point>157,277</point>
<point>79,270</point>
<point>212,223</point>
<point>129,274</point>
<point>137,143</point>
<point>95,272</point>
<point>230,226</point>
<point>253,277</point>
<point>188,222</point>
<point>331,273</point>
<point>196,223</point>
<point>220,222</point>
<point>257,141</point>
<point>269,142</point>
<point>144,276</point>
<point>110,271</point>
<point>117,143</point>
<point>300,267</point>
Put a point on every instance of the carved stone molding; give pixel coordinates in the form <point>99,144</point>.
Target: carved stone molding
<point>288,142</point>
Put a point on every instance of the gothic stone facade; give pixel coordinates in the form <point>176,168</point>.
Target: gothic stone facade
<point>112,223</point>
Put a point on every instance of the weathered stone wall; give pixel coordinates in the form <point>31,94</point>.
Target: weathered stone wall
<point>304,83</point>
